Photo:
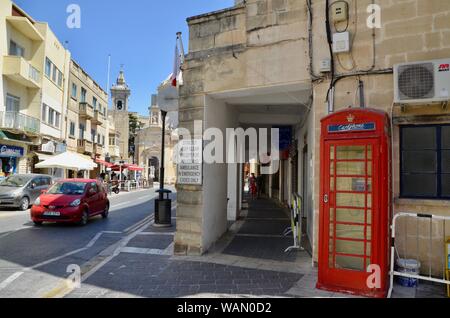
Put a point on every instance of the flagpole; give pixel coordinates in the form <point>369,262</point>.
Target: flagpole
<point>109,76</point>
<point>180,39</point>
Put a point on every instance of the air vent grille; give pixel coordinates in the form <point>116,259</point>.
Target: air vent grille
<point>416,81</point>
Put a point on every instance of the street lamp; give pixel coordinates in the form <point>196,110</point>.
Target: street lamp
<point>168,99</point>
<point>163,206</point>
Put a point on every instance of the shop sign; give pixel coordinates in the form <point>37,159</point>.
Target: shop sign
<point>351,127</point>
<point>11,151</point>
<point>285,138</point>
<point>190,167</point>
<point>48,147</point>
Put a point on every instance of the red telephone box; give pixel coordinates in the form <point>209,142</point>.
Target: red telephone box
<point>355,202</point>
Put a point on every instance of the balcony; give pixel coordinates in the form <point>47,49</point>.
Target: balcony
<point>19,122</point>
<point>19,70</point>
<point>24,26</point>
<point>114,151</point>
<point>98,149</point>
<point>98,118</point>
<point>84,146</point>
<point>86,111</point>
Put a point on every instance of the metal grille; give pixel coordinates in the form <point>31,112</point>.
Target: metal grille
<point>416,81</point>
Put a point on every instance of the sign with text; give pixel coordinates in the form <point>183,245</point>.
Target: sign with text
<point>190,162</point>
<point>351,128</point>
<point>11,151</point>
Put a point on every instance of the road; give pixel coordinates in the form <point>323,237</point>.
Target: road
<point>34,261</point>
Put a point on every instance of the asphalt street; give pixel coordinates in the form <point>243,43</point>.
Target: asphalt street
<point>35,261</point>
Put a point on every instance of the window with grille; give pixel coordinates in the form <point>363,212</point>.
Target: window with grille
<point>425,162</point>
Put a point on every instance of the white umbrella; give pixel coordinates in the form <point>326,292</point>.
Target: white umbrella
<point>68,160</point>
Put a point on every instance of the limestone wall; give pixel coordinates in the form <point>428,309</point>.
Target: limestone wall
<point>412,30</point>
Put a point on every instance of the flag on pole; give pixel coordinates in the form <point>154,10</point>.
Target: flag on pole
<point>177,75</point>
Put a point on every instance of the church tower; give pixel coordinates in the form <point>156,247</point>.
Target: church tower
<point>120,94</point>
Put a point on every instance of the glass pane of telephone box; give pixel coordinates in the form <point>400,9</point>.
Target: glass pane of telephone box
<point>351,152</point>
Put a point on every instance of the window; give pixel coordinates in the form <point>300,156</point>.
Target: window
<point>12,103</point>
<point>83,95</point>
<point>94,103</point>
<point>44,112</point>
<point>74,91</point>
<point>72,129</point>
<point>57,119</point>
<point>94,187</point>
<point>425,162</point>
<point>60,79</point>
<point>51,116</point>
<point>15,49</point>
<point>82,129</point>
<point>54,74</point>
<point>93,135</point>
<point>100,108</point>
<point>103,140</point>
<point>112,141</point>
<point>48,67</point>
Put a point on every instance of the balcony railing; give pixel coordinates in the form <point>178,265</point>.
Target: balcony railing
<point>114,151</point>
<point>86,111</point>
<point>98,118</point>
<point>84,146</point>
<point>20,122</point>
<point>98,149</point>
<point>21,71</point>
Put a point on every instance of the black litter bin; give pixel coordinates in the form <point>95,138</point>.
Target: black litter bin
<point>163,210</point>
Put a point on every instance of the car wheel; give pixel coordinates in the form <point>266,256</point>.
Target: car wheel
<point>84,218</point>
<point>24,204</point>
<point>106,212</point>
<point>36,223</point>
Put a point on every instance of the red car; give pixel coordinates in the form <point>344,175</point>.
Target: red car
<point>71,201</point>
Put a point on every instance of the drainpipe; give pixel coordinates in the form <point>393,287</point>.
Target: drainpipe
<point>362,102</point>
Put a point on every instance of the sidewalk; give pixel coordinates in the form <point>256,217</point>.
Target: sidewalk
<point>249,261</point>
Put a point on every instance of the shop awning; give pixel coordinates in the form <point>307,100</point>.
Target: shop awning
<point>43,156</point>
<point>6,135</point>
<point>68,160</point>
<point>135,168</point>
<point>126,167</point>
<point>104,163</point>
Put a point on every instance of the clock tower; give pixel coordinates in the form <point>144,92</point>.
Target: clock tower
<point>120,94</point>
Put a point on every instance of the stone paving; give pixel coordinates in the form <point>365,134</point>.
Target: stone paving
<point>249,261</point>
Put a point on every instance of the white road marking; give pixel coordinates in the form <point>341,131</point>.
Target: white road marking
<point>260,235</point>
<point>92,242</point>
<point>138,250</point>
<point>120,204</point>
<point>138,228</point>
<point>156,233</point>
<point>123,243</point>
<point>55,259</point>
<point>136,225</point>
<point>10,279</point>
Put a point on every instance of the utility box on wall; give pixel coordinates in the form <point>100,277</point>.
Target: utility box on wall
<point>355,202</point>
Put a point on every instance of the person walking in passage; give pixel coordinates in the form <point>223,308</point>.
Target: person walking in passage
<point>253,186</point>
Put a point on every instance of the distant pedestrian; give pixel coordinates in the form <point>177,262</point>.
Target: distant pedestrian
<point>260,185</point>
<point>253,186</point>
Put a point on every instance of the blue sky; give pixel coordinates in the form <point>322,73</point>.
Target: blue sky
<point>140,34</point>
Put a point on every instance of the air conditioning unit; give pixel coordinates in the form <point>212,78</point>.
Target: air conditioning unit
<point>422,82</point>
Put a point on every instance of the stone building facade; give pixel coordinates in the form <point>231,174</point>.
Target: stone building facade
<point>259,64</point>
<point>148,147</point>
<point>120,94</point>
